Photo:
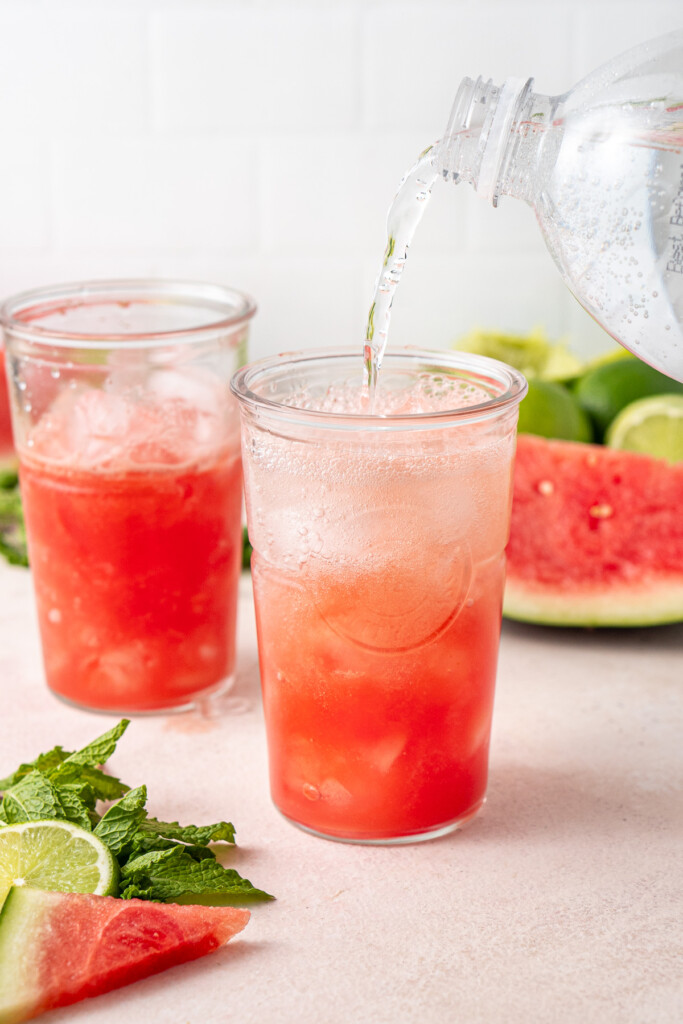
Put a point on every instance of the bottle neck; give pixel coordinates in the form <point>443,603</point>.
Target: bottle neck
<point>493,137</point>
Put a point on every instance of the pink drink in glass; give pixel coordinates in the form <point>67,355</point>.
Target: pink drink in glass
<point>378,573</point>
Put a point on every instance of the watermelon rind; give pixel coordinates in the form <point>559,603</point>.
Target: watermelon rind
<point>660,605</point>
<point>18,991</point>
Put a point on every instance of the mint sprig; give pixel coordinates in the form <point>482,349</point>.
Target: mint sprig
<point>158,860</point>
<point>12,531</point>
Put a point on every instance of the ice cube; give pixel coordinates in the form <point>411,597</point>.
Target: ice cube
<point>197,402</point>
<point>84,427</point>
<point>98,425</point>
<point>121,669</point>
<point>199,389</point>
<point>334,792</point>
<point>386,751</point>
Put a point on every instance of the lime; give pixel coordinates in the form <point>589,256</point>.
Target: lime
<point>532,354</point>
<point>604,391</point>
<point>561,365</point>
<point>651,425</point>
<point>55,855</point>
<point>550,410</point>
<point>610,356</point>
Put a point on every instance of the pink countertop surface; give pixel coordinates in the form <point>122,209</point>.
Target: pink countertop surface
<point>561,902</point>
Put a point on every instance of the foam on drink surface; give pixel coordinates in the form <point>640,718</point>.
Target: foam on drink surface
<point>408,394</point>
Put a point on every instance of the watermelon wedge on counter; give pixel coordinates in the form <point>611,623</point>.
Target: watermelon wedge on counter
<point>58,948</point>
<point>596,536</point>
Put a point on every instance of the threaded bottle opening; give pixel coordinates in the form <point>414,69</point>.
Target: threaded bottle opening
<point>476,139</point>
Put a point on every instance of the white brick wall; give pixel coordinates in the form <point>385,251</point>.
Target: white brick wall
<point>259,142</point>
<point>150,194</point>
<point>233,70</point>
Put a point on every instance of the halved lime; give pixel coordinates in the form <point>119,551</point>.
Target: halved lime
<point>651,425</point>
<point>607,389</point>
<point>613,355</point>
<point>532,353</point>
<point>55,855</point>
<point>550,410</point>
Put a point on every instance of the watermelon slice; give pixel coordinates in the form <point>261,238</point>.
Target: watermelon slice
<point>596,537</point>
<point>57,948</point>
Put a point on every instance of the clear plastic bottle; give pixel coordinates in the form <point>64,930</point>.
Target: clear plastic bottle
<point>602,166</point>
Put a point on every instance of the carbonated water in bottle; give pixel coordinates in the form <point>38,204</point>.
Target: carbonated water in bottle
<point>602,167</point>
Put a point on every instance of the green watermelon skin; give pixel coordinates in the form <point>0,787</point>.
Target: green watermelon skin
<point>59,948</point>
<point>596,537</point>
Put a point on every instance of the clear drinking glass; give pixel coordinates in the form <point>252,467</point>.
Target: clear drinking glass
<point>378,572</point>
<point>128,444</point>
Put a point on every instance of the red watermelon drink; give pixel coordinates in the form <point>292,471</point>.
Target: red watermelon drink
<point>6,442</point>
<point>135,569</point>
<point>378,573</point>
<point>130,471</point>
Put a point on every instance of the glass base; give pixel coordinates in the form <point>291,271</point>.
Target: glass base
<point>412,837</point>
<point>208,703</point>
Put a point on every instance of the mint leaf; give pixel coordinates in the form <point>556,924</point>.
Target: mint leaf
<point>147,842</point>
<point>135,892</point>
<point>90,757</point>
<point>247,549</point>
<point>33,798</point>
<point>101,749</point>
<point>94,781</point>
<point>73,808</point>
<point>200,835</point>
<point>44,762</point>
<point>66,767</point>
<point>9,478</point>
<point>168,875</point>
<point>119,825</point>
<point>12,530</point>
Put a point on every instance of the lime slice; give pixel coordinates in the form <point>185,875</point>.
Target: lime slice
<point>550,410</point>
<point>55,855</point>
<point>651,425</point>
<point>607,389</point>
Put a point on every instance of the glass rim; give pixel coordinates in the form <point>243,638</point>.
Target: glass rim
<point>233,308</point>
<point>243,380</point>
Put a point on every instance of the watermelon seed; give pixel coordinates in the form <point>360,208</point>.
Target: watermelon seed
<point>601,511</point>
<point>546,487</point>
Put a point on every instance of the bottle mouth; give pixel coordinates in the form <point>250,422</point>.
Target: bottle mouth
<point>473,102</point>
<point>510,98</point>
<point>477,135</point>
